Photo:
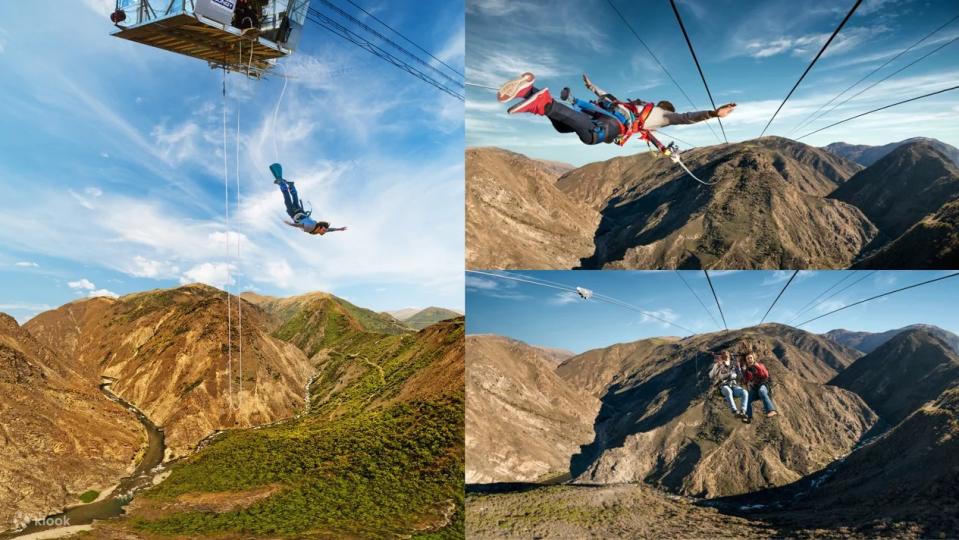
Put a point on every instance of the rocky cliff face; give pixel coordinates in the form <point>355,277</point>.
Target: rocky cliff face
<point>901,189</point>
<point>516,217</point>
<point>168,351</point>
<point>932,243</point>
<point>59,436</point>
<point>767,210</point>
<point>523,422</point>
<point>775,203</point>
<point>662,424</point>
<point>902,374</point>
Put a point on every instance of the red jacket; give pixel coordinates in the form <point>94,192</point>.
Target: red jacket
<point>757,374</point>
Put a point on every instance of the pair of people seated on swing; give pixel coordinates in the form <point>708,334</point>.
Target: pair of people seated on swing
<point>294,208</point>
<point>747,380</point>
<point>605,119</point>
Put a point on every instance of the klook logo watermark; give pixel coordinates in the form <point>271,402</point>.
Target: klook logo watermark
<point>22,521</point>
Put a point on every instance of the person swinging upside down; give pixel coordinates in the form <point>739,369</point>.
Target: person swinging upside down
<point>605,119</point>
<point>301,218</point>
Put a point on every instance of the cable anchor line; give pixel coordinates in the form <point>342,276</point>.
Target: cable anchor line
<point>802,310</point>
<point>699,68</point>
<point>716,298</point>
<point>913,286</point>
<point>778,296</point>
<point>408,40</point>
<point>810,118</point>
<point>597,296</point>
<point>811,64</point>
<point>698,299</point>
<point>880,109</point>
<point>658,63</point>
<point>343,32</point>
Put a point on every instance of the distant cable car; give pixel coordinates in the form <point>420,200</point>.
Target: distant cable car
<point>216,31</point>
<point>585,293</point>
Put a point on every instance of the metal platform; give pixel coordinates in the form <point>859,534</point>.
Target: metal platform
<point>196,36</point>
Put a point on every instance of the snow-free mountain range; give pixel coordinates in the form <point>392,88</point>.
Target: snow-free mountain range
<point>867,444</point>
<point>775,203</point>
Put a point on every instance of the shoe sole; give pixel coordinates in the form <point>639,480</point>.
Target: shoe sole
<point>513,88</point>
<point>526,102</point>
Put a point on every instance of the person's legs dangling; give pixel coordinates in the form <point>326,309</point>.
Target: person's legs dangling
<point>567,120</point>
<point>290,198</point>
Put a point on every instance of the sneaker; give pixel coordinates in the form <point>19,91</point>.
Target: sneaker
<point>747,419</point>
<point>516,88</point>
<point>565,94</point>
<point>770,414</point>
<point>535,104</point>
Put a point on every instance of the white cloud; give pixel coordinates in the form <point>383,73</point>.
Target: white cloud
<point>564,298</point>
<point>153,216</point>
<point>84,202</point>
<point>82,283</point>
<point>473,282</point>
<point>149,268</point>
<point>103,293</point>
<point>280,273</point>
<point>658,316</point>
<point>213,274</point>
<point>26,264</point>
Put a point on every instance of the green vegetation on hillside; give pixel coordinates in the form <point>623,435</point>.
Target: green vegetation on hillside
<point>374,474</point>
<point>428,316</point>
<point>89,496</point>
<point>356,465</point>
<point>326,322</point>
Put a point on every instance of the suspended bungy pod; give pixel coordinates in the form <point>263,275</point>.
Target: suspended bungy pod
<point>216,30</point>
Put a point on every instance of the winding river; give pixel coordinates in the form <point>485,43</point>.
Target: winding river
<point>122,494</point>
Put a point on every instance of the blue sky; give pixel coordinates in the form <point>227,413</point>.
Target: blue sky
<point>751,53</point>
<point>551,317</point>
<point>113,165</point>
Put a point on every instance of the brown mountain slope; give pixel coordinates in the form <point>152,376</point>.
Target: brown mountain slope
<point>662,424</point>
<point>806,168</point>
<point>767,210</point>
<point>523,422</point>
<point>931,243</point>
<point>902,374</point>
<point>910,183</point>
<point>168,351</point>
<point>866,342</point>
<point>516,217</point>
<point>59,436</point>
<point>866,155</point>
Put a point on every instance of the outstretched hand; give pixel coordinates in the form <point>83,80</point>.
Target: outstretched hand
<point>587,82</point>
<point>724,110</point>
